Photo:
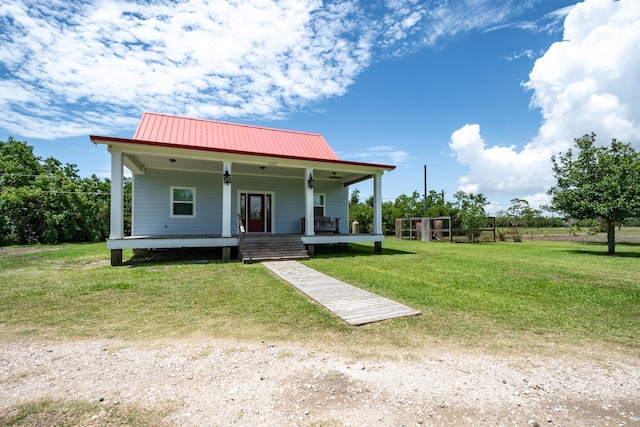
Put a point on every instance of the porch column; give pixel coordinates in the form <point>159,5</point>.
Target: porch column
<point>308,203</point>
<point>116,227</point>
<point>377,209</point>
<point>377,204</point>
<point>116,220</point>
<point>226,202</point>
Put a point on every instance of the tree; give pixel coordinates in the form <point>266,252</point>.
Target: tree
<point>354,199</point>
<point>361,212</point>
<point>408,206</point>
<point>19,202</point>
<point>520,213</point>
<point>48,202</point>
<point>436,205</point>
<point>19,167</point>
<point>515,212</point>
<point>597,182</point>
<point>388,218</point>
<point>471,213</point>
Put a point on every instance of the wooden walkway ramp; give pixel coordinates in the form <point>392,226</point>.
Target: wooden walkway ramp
<point>353,305</point>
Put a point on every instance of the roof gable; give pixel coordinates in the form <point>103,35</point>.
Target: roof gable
<point>214,135</point>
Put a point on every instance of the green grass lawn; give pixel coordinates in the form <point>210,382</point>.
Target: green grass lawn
<point>625,233</point>
<point>529,296</point>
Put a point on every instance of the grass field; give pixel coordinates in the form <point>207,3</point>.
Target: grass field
<point>77,413</point>
<point>532,296</point>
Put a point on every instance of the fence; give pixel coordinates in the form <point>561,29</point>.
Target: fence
<point>441,228</point>
<point>424,229</point>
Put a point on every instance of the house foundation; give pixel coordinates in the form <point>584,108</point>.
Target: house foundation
<point>116,257</point>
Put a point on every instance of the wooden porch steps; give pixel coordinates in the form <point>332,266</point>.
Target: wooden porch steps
<point>271,247</point>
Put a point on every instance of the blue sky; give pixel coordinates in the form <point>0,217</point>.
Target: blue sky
<point>482,92</point>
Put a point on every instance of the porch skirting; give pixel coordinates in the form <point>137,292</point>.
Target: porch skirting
<point>177,242</point>
<point>171,242</point>
<point>327,239</point>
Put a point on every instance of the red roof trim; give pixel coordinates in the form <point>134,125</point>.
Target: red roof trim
<point>246,153</point>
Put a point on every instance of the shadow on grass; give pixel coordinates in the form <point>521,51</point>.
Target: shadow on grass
<point>179,256</point>
<point>214,255</point>
<point>352,250</point>
<point>603,250</point>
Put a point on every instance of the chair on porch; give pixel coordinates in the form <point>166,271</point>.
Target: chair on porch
<point>322,225</point>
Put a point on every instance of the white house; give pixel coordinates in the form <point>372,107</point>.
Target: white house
<point>204,183</point>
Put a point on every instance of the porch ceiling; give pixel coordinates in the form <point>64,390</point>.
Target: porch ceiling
<point>268,168</point>
<point>141,155</point>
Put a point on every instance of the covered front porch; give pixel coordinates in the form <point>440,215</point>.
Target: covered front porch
<point>203,183</point>
<point>187,198</point>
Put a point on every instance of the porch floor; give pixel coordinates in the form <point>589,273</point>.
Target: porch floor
<point>213,241</point>
<point>353,305</point>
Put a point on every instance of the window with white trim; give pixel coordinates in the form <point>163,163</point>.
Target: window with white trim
<point>183,202</point>
<point>318,204</point>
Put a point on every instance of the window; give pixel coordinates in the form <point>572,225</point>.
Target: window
<point>318,205</point>
<point>183,202</point>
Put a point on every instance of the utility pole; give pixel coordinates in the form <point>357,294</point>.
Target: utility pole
<point>425,190</point>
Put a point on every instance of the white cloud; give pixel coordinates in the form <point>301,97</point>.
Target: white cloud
<point>219,58</point>
<point>549,23</point>
<point>410,24</point>
<point>381,154</point>
<point>61,59</point>
<point>526,53</point>
<point>585,83</point>
<point>498,170</point>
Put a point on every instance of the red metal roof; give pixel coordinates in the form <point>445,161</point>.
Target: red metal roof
<point>213,135</point>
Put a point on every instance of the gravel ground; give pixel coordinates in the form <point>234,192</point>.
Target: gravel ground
<point>222,383</point>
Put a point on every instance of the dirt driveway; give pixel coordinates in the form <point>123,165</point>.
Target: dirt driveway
<point>220,383</point>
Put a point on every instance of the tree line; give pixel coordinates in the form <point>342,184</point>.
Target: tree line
<point>596,186</point>
<point>468,210</point>
<point>45,201</point>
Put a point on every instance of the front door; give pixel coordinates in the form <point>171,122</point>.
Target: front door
<point>258,212</point>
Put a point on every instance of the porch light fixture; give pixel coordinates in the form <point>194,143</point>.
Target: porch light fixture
<point>310,181</point>
<point>226,178</point>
